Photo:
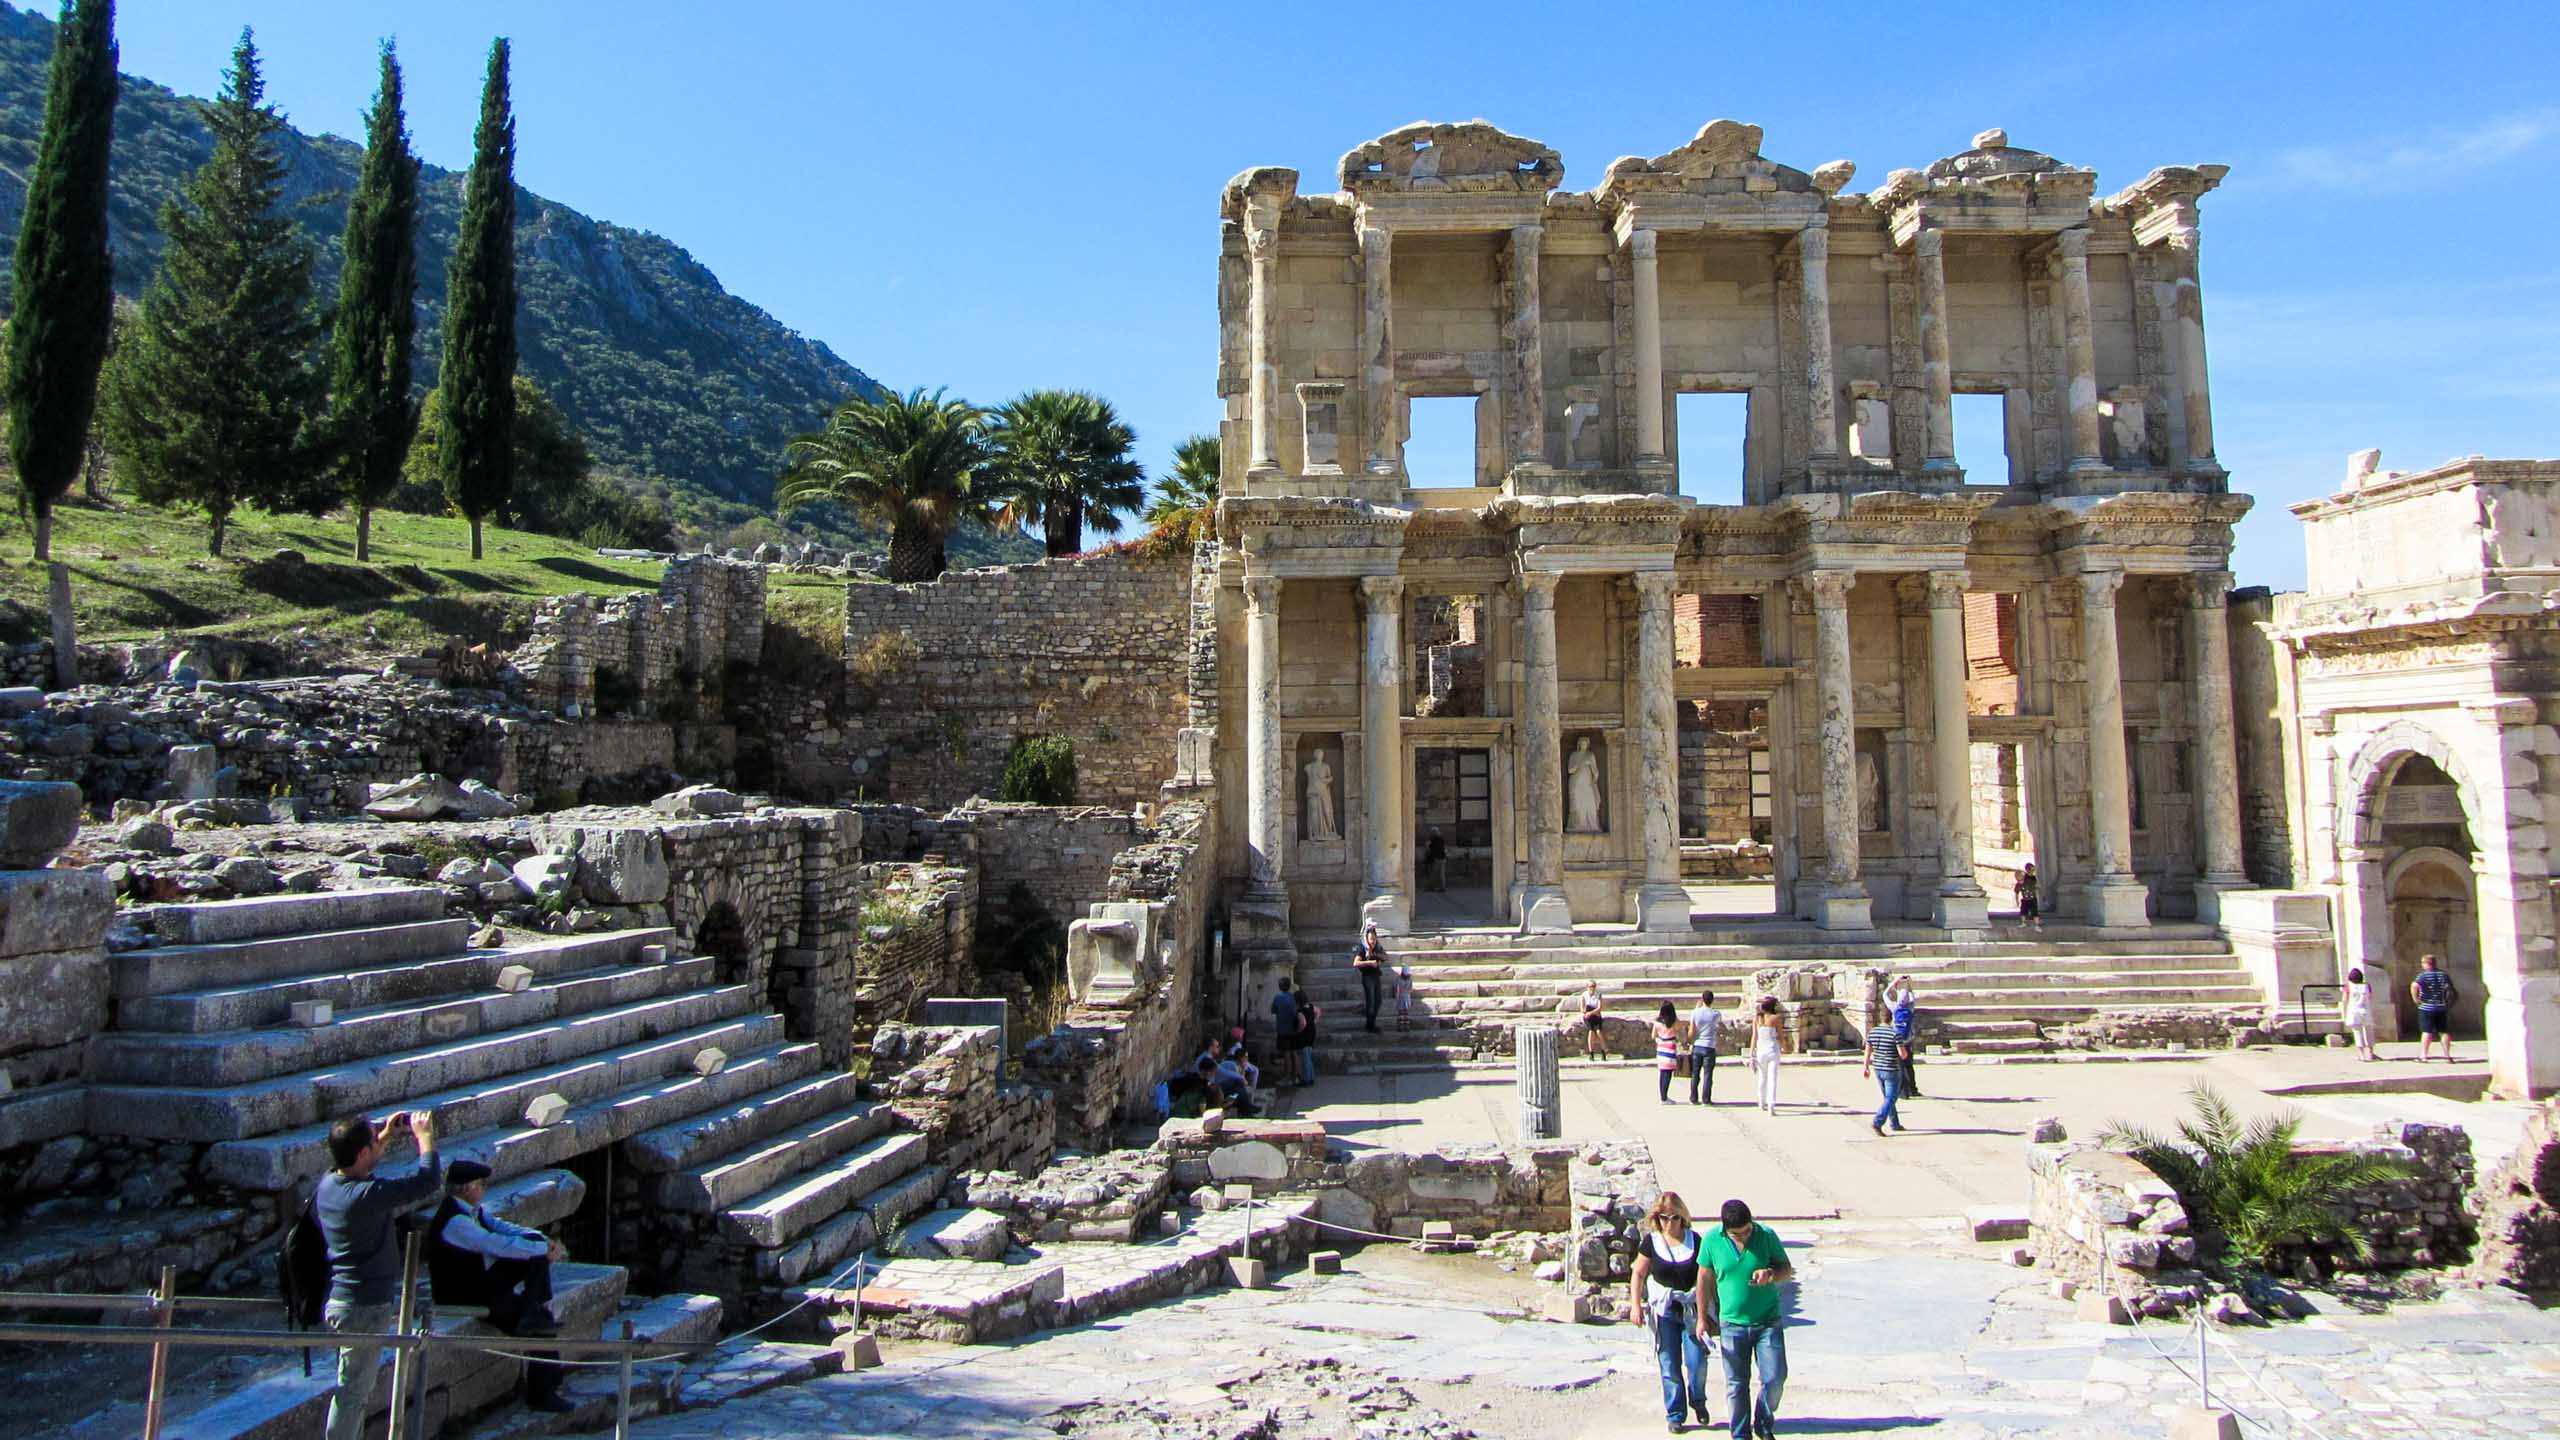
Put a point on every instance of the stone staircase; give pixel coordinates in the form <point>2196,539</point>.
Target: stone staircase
<point>2002,995</point>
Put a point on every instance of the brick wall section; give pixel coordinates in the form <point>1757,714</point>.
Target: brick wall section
<point>921,953</point>
<point>1064,854</point>
<point>1098,650</point>
<point>947,1083</point>
<point>1718,630</point>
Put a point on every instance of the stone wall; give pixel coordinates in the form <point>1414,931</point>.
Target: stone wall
<point>948,675</point>
<point>2418,1223</point>
<point>918,924</point>
<point>1611,1184</point>
<point>1063,854</point>
<point>1112,1196</point>
<point>946,1082</point>
<point>2261,684</point>
<point>2104,1222</point>
<point>2518,1205</point>
<point>53,925</point>
<point>647,655</point>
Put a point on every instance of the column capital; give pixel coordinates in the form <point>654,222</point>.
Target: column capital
<point>1382,589</point>
<point>1538,587</point>
<point>1262,594</point>
<point>1529,235</point>
<point>1642,244</point>
<point>1947,589</point>
<point>1929,243</point>
<point>1828,589</point>
<point>2098,588</point>
<point>1654,587</point>
<point>2209,589</point>
<point>2072,245</point>
<point>1813,243</point>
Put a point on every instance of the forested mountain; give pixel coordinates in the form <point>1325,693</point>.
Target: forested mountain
<point>676,385</point>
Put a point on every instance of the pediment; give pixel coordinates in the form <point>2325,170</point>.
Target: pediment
<point>1471,157</point>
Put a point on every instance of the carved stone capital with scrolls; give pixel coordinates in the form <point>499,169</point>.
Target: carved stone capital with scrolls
<point>2209,589</point>
<point>2098,588</point>
<point>1828,589</point>
<point>1381,590</point>
<point>1262,594</point>
<point>1538,588</point>
<point>1947,589</point>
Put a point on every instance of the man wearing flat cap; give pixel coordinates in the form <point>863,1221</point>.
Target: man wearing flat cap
<point>475,1258</point>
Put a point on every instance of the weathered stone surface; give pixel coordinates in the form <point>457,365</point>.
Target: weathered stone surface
<point>700,801</point>
<point>45,911</point>
<point>37,819</point>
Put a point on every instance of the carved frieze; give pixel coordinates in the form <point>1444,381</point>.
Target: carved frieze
<point>1471,157</point>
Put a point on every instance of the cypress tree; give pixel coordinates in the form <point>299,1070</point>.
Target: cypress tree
<point>477,446</point>
<point>372,415</point>
<point>213,397</point>
<point>64,302</point>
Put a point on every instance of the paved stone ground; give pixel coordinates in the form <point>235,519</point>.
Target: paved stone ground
<point>1896,1326</point>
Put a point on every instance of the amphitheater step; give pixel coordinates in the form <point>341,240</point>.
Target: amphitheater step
<point>538,1198</point>
<point>209,922</point>
<point>613,1094</point>
<point>671,1318</point>
<point>451,970</point>
<point>698,1140</point>
<point>760,1165</point>
<point>164,969</point>
<point>237,1112</point>
<point>773,1218</point>
<point>354,1036</point>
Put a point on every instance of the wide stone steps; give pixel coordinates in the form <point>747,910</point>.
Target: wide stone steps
<point>256,960</point>
<point>452,970</point>
<point>702,1139</point>
<point>779,1215</point>
<point>1665,983</point>
<point>1774,944</point>
<point>210,922</point>
<point>738,1177</point>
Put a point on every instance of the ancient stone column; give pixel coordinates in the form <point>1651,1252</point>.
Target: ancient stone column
<point>2079,349</point>
<point>2217,777</point>
<point>1641,251</point>
<point>1382,752</point>
<point>1262,244</point>
<point>1542,904</point>
<point>1937,365</point>
<point>1843,905</point>
<point>1528,351</point>
<point>2186,262</point>
<point>1266,810</point>
<point>1538,1054</point>
<point>1960,904</point>
<point>2115,897</point>
<point>1378,347</point>
<point>1663,904</point>
<point>1813,253</point>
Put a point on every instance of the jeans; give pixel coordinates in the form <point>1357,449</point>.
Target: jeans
<point>1890,1082</point>
<point>1702,1072</point>
<point>1369,996</point>
<point>1307,1062</point>
<point>359,1366</point>
<point>1743,1346</point>
<point>1676,1344</point>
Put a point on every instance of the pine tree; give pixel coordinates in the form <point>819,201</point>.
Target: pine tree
<point>213,397</point>
<point>478,379</point>
<point>372,416</point>
<point>64,301</point>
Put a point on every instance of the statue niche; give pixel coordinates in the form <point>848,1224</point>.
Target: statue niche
<point>1585,789</point>
<point>1319,791</point>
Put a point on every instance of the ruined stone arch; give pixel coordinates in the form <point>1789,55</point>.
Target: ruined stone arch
<point>2377,762</point>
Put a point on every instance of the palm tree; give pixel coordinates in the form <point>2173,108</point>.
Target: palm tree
<point>1184,510</point>
<point>1064,457</point>
<point>917,463</point>
<point>2247,1181</point>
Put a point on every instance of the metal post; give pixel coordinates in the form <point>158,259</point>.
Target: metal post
<point>164,1309</point>
<point>622,1396</point>
<point>2204,1391</point>
<point>404,1361</point>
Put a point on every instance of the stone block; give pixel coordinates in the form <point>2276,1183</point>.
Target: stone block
<point>313,1012</point>
<point>2047,1130</point>
<point>1476,1189</point>
<point>710,1060</point>
<point>860,1349</point>
<point>1439,1232</point>
<point>37,819</point>
<point>515,978</point>
<point>2195,1422</point>
<point>55,999</point>
<point>1249,1160</point>
<point>2064,1289</point>
<point>43,911</point>
<point>1996,1222</point>
<point>546,1110</point>
<point>1247,1273</point>
<point>1325,1262</point>
<point>1238,1194</point>
<point>2100,1309</point>
<point>191,771</point>
<point>2021,1256</point>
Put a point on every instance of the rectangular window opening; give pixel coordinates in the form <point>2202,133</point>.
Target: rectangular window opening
<point>1713,431</point>
<point>1440,442</point>
<point>1982,438</point>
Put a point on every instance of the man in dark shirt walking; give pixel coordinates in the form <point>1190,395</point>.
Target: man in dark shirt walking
<point>355,1210</point>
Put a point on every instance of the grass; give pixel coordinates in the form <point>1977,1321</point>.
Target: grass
<point>138,572</point>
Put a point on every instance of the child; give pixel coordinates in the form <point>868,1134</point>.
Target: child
<point>1404,996</point>
<point>2355,1011</point>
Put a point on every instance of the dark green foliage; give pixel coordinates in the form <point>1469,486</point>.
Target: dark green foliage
<point>1039,770</point>
<point>556,491</point>
<point>63,299</point>
<point>372,412</point>
<point>917,463</point>
<point>476,443</point>
<point>1184,511</point>
<point>1062,459</point>
<point>2247,1183</point>
<point>213,396</point>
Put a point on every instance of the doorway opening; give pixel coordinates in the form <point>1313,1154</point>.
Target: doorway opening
<point>2428,882</point>
<point>1728,814</point>
<point>1440,445</point>
<point>1453,880</point>
<point>1982,438</point>
<point>1448,662</point>
<point>1713,439</point>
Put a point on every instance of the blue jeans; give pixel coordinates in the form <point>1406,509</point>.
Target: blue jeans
<point>1676,1344</point>
<point>1702,1074</point>
<point>359,1366</point>
<point>1890,1081</point>
<point>1744,1346</point>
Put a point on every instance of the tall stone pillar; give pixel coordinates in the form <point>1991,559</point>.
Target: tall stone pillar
<point>1266,807</point>
<point>1543,906</point>
<point>1378,348</point>
<point>2116,899</point>
<point>2217,776</point>
<point>1961,904</point>
<point>2186,264</point>
<point>1641,250</point>
<point>1528,412</point>
<point>2079,349</point>
<point>1262,246</point>
<point>1663,903</point>
<point>1844,904</point>
<point>1382,753</point>
<point>1813,254</point>
<point>1937,362</point>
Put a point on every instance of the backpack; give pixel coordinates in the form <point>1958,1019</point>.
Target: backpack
<point>302,1273</point>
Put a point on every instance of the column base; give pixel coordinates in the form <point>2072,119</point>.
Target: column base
<point>2209,892</point>
<point>2119,904</point>
<point>1845,909</point>
<point>1963,912</point>
<point>1388,911</point>
<point>2087,465</point>
<point>1258,920</point>
<point>1662,909</point>
<point>1543,910</point>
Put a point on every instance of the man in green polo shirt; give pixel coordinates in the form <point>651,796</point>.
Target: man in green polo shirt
<point>1749,1265</point>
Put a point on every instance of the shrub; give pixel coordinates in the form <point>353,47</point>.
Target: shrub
<point>885,654</point>
<point>1041,770</point>
<point>2246,1182</point>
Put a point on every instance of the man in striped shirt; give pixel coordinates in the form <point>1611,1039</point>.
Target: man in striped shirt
<point>1884,1061</point>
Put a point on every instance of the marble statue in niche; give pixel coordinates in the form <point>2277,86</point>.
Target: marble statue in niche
<point>1870,789</point>
<point>1582,789</point>
<point>1321,825</point>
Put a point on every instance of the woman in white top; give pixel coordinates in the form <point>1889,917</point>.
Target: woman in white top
<point>1764,1051</point>
<point>1592,1024</point>
<point>2355,1011</point>
<point>1668,1296</point>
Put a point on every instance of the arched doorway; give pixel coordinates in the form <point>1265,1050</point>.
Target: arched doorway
<point>722,936</point>
<point>2434,911</point>
<point>2412,838</point>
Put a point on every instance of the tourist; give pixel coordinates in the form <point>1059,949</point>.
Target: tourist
<point>1749,1265</point>
<point>1765,1023</point>
<point>1904,1001</point>
<point>1703,1024</point>
<point>1435,860</point>
<point>2434,992</point>
<point>1592,1021</point>
<point>1884,1062</point>
<point>355,1211</point>
<point>1404,997</point>
<point>1284,1031</point>
<point>1666,1049</point>
<point>1667,1294</point>
<point>1222,1087</point>
<point>1241,1058</point>
<point>1308,1013</point>
<point>474,1258</point>
<point>2027,895</point>
<point>1370,960</point>
<point>2355,1012</point>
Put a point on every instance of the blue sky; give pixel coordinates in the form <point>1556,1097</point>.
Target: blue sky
<point>996,198</point>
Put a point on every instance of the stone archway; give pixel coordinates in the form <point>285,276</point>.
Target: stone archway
<point>2411,885</point>
<point>2435,911</point>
